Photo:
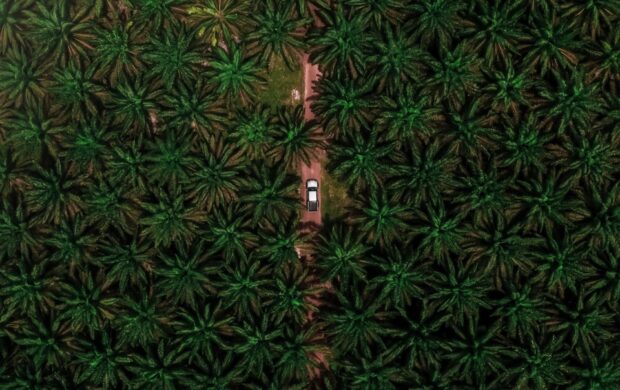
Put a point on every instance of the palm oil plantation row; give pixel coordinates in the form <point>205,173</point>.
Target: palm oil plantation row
<point>150,201</point>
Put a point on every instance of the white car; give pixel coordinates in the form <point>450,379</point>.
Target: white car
<point>312,194</point>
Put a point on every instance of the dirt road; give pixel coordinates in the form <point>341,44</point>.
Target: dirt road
<point>312,171</point>
<point>311,221</point>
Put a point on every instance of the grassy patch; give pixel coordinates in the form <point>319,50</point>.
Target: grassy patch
<point>280,82</point>
<point>333,196</point>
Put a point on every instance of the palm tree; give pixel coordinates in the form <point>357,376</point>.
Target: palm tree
<point>12,170</point>
<point>424,173</point>
<point>47,342</point>
<point>379,12</point>
<point>183,276</point>
<point>63,36</point>
<point>542,363</point>
<point>74,92</point>
<point>496,29</point>
<point>31,285</point>
<point>21,78</point>
<point>35,134</point>
<point>217,179</point>
<point>235,75</point>
<point>28,375</point>
<point>606,63</point>
<point>398,61</point>
<point>552,44</point>
<point>435,21</point>
<point>355,324</point>
<point>476,352</point>
<point>127,164</point>
<point>434,378</point>
<point>459,290</point>
<point>597,370</point>
<point>380,220</point>
<point>162,368</point>
<point>407,115</point>
<point>548,203</point>
<point>343,104</point>
<point>244,286</point>
<point>170,219</point>
<point>603,275</point>
<point>128,263</point>
<point>259,346</point>
<point>252,131</point>
<point>291,298</point>
<point>602,226</point>
<point>522,145</point>
<point>595,18</point>
<point>155,13</point>
<point>341,255</point>
<point>559,266</point>
<point>104,364</point>
<point>112,207</point>
<point>20,230</point>
<point>230,232</point>
<point>440,231</point>
<point>454,76</point>
<point>131,104</point>
<point>583,323</point>
<point>219,373</point>
<point>220,20</point>
<point>362,161</point>
<point>278,32</point>
<point>520,310</point>
<point>169,159</point>
<point>118,46</point>
<point>309,7</point>
<point>483,191</point>
<point>299,346</point>
<point>419,342</point>
<point>574,103</point>
<point>12,13</point>
<point>510,89</point>
<point>343,43</point>
<point>279,242</point>
<point>142,322</point>
<point>88,305</point>
<point>73,244</point>
<point>173,55</point>
<point>271,194</point>
<point>193,106</point>
<point>591,159</point>
<point>53,195</point>
<point>87,146</point>
<point>498,245</point>
<point>469,131</point>
<point>5,117</point>
<point>400,277</point>
<point>202,333</point>
<point>294,140</point>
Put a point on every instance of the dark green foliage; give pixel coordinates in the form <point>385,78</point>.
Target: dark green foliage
<point>234,73</point>
<point>63,35</point>
<point>21,77</point>
<point>278,33</point>
<point>343,44</point>
<point>173,56</point>
<point>294,141</point>
<point>152,233</point>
